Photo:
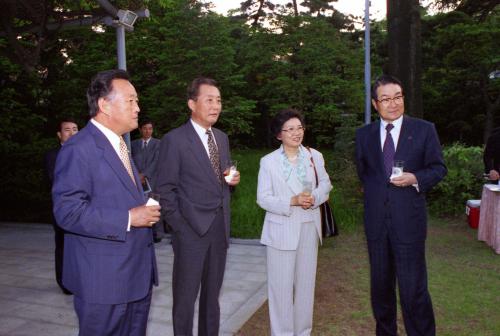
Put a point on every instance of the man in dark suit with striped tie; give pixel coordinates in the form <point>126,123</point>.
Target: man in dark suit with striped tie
<point>109,257</point>
<point>195,199</point>
<point>395,208</point>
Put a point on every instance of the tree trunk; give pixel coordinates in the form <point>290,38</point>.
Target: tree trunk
<point>257,15</point>
<point>405,56</point>
<point>295,8</point>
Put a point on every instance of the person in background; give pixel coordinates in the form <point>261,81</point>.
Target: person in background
<point>491,156</point>
<point>67,128</point>
<point>287,191</point>
<point>145,154</point>
<point>109,260</point>
<point>395,214</point>
<point>196,202</point>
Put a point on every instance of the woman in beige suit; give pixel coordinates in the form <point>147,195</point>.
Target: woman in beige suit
<point>292,226</point>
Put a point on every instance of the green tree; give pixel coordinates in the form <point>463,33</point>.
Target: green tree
<point>460,56</point>
<point>176,45</point>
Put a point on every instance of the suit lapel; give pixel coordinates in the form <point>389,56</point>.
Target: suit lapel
<point>375,146</point>
<point>405,139</point>
<point>223,151</point>
<point>112,158</point>
<point>200,153</point>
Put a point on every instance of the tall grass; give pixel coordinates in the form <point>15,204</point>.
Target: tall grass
<point>247,217</point>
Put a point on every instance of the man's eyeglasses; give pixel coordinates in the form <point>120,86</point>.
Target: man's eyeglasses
<point>291,130</point>
<point>398,100</point>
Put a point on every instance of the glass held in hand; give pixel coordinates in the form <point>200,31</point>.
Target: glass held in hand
<point>307,187</point>
<point>230,170</point>
<point>397,168</point>
<point>153,199</point>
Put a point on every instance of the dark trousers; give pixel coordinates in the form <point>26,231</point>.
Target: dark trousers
<point>391,260</point>
<point>59,253</point>
<point>126,319</point>
<point>198,261</point>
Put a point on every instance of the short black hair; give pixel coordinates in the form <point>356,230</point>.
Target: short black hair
<point>65,120</point>
<point>101,86</point>
<point>145,122</point>
<point>384,80</point>
<point>282,117</point>
<point>194,88</point>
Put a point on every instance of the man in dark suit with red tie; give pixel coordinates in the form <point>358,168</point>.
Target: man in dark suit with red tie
<point>195,199</point>
<point>109,257</point>
<point>395,208</point>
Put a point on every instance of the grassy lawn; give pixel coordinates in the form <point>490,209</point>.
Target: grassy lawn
<point>464,281</point>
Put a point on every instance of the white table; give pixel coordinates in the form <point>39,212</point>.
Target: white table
<point>489,218</point>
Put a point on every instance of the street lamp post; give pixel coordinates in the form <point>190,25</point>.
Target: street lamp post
<point>122,20</point>
<point>368,107</point>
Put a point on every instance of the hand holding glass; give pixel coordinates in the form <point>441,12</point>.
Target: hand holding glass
<point>230,170</point>
<point>153,199</point>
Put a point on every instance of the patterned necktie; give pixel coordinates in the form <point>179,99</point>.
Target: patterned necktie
<point>388,150</point>
<point>214,155</point>
<point>125,158</point>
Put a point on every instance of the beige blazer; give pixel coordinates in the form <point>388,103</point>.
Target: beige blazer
<point>282,221</point>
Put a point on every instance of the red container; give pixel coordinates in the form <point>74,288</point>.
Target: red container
<point>472,210</point>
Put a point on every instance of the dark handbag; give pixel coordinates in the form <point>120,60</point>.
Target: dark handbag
<point>328,224</point>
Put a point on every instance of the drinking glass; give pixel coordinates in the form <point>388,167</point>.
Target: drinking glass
<point>307,187</point>
<point>397,168</point>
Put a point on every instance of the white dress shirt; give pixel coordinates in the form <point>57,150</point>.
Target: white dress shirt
<point>395,132</point>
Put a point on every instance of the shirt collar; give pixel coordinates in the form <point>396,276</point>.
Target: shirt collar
<point>113,138</point>
<point>202,131</point>
<point>396,123</point>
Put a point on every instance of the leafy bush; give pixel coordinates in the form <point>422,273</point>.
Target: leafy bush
<point>463,182</point>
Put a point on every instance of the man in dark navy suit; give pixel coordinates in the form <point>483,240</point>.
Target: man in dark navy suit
<point>109,257</point>
<point>395,208</point>
<point>67,128</point>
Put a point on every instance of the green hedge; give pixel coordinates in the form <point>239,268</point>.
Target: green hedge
<point>464,180</point>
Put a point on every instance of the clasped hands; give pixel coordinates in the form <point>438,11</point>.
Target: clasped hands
<point>304,200</point>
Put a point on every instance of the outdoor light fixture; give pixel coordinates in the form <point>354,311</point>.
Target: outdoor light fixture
<point>127,18</point>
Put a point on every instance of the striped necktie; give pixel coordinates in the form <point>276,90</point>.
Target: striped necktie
<point>126,159</point>
<point>214,155</point>
<point>388,150</point>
